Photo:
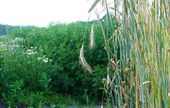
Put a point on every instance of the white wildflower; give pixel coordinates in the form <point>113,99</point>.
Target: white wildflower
<point>29,52</point>
<point>2,44</point>
<point>45,60</point>
<point>31,47</point>
<point>16,40</point>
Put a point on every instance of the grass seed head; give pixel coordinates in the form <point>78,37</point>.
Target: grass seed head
<point>83,61</point>
<point>92,38</point>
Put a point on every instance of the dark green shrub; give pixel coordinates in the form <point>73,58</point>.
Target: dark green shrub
<point>63,73</point>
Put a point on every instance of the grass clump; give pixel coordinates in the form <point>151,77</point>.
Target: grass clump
<point>138,67</point>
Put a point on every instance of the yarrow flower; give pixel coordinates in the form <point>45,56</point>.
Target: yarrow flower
<point>30,52</point>
<point>44,59</point>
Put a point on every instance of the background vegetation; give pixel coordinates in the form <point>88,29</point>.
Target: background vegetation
<point>7,29</point>
<point>130,60</point>
<point>44,62</point>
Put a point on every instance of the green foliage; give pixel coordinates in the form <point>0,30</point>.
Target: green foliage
<point>48,61</point>
<point>7,29</point>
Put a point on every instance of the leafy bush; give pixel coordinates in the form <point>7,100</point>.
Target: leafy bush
<point>48,60</point>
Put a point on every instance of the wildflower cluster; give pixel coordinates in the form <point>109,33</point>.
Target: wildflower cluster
<point>31,51</point>
<point>11,44</point>
<point>44,59</point>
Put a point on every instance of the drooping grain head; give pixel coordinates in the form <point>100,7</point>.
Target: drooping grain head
<point>83,61</point>
<point>92,38</point>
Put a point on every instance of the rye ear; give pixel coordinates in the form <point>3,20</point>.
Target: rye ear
<point>83,61</point>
